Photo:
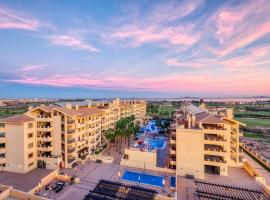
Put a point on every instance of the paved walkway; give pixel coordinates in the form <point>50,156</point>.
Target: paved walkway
<point>24,182</point>
<point>259,168</point>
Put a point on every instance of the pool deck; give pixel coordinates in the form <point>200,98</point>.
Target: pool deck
<point>92,172</point>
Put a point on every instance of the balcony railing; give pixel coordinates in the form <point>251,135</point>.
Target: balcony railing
<point>43,118</point>
<point>71,150</point>
<point>45,148</point>
<point>44,128</point>
<point>70,141</point>
<point>70,131</point>
<point>214,138</point>
<point>70,121</point>
<point>217,159</point>
<point>45,138</point>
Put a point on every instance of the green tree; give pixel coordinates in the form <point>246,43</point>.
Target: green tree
<point>110,135</point>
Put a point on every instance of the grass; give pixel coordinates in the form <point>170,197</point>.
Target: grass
<point>167,109</point>
<point>251,113</point>
<point>253,135</point>
<point>254,122</point>
<point>10,111</point>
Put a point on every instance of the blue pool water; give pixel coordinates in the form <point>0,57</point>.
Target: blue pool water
<point>155,143</point>
<point>143,178</point>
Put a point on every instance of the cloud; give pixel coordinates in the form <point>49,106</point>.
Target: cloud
<point>158,26</point>
<point>137,36</point>
<point>236,26</point>
<point>177,63</point>
<point>29,68</point>
<point>70,41</point>
<point>11,19</point>
<point>236,83</point>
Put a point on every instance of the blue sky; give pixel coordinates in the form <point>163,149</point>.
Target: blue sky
<point>134,48</point>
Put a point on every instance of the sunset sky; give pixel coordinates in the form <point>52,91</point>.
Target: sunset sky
<point>134,48</point>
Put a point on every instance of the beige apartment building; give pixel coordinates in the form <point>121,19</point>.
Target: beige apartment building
<point>204,142</point>
<point>60,135</point>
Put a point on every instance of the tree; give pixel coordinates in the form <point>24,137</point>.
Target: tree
<point>110,135</point>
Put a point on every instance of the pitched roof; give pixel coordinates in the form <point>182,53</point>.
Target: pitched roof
<point>84,112</point>
<point>81,112</point>
<point>17,119</point>
<point>212,119</point>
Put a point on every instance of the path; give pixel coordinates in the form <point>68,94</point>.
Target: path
<point>259,168</point>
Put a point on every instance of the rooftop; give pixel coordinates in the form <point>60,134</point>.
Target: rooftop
<point>17,119</point>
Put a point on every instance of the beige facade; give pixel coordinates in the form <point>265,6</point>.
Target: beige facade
<point>60,135</point>
<point>203,142</point>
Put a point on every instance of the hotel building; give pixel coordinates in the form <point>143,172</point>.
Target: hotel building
<point>203,142</point>
<point>60,135</point>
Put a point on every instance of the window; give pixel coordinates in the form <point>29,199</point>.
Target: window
<point>30,135</point>
<point>30,125</point>
<point>126,156</point>
<point>30,164</point>
<point>30,145</point>
<point>30,155</point>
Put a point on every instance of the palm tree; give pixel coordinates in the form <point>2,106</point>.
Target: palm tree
<point>110,135</point>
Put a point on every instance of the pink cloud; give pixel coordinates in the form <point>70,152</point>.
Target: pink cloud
<point>69,41</point>
<point>187,82</point>
<point>179,35</point>
<point>177,63</point>
<point>29,68</point>
<point>238,26</point>
<point>11,19</point>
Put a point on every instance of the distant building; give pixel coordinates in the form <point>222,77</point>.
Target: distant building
<point>60,135</point>
<point>203,142</point>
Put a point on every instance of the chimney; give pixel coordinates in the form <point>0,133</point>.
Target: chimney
<point>68,105</point>
<point>229,113</point>
<point>193,120</point>
<point>77,107</point>
<point>30,107</point>
<point>189,120</point>
<point>89,105</point>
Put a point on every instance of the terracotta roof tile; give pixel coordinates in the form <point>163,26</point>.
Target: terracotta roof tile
<point>17,119</point>
<point>211,119</point>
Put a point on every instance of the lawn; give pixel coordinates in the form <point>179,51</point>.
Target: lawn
<point>254,122</point>
<point>10,111</point>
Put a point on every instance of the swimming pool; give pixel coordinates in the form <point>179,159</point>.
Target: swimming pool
<point>155,143</point>
<point>147,179</point>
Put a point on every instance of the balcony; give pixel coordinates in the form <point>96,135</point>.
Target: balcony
<point>45,148</point>
<point>45,138</point>
<point>214,160</point>
<point>172,162</point>
<point>214,139</point>
<point>71,121</point>
<point>2,160</point>
<point>71,141</point>
<point>2,150</point>
<point>2,140</point>
<point>71,150</point>
<point>70,131</point>
<point>173,140</point>
<point>42,118</point>
<point>45,128</point>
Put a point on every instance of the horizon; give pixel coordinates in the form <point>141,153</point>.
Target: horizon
<point>142,49</point>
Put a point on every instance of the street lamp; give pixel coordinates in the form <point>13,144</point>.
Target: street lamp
<point>75,168</point>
